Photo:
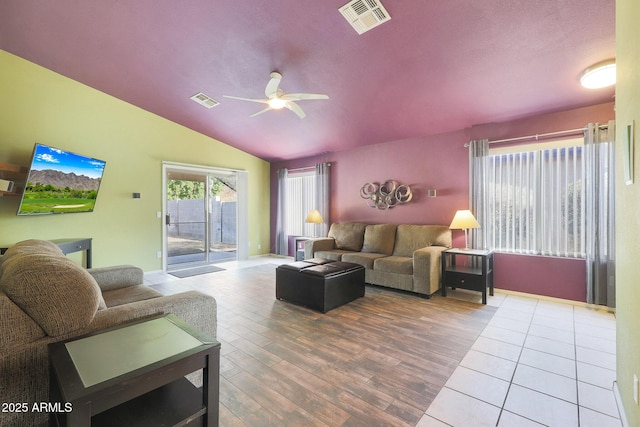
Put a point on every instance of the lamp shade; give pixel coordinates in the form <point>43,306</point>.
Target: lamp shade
<point>314,217</point>
<point>463,220</point>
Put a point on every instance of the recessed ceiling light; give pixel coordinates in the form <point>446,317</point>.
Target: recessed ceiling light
<point>599,75</point>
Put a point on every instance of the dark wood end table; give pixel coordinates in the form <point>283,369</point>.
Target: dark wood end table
<point>134,375</point>
<point>299,241</point>
<point>475,274</point>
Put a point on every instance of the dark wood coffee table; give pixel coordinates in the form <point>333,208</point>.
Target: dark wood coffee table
<point>133,375</point>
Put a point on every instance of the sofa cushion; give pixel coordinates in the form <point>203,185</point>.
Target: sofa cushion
<point>394,264</point>
<point>379,238</point>
<point>410,238</point>
<point>17,326</point>
<point>31,246</point>
<point>348,236</point>
<point>54,291</point>
<point>117,276</point>
<point>333,255</point>
<point>365,259</point>
<point>129,294</point>
<point>19,259</point>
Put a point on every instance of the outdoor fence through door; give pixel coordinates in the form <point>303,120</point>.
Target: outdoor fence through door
<point>201,217</point>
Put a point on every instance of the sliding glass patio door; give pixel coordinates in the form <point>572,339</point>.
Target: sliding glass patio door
<point>203,216</point>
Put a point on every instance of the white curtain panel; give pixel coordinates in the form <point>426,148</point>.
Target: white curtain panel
<point>599,142</point>
<point>282,242</point>
<point>323,197</point>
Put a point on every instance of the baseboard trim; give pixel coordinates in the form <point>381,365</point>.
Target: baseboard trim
<point>623,416</point>
<point>278,256</point>
<point>558,300</point>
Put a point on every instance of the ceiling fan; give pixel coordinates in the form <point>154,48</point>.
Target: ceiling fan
<point>277,99</point>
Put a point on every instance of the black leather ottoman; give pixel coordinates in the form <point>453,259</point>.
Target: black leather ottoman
<point>319,284</point>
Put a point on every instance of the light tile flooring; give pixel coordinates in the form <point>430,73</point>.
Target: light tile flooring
<point>537,363</point>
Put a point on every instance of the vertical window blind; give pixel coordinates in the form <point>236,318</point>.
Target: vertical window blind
<point>301,196</point>
<point>535,202</point>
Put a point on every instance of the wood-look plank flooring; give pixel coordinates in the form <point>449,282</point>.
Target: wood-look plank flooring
<point>377,361</point>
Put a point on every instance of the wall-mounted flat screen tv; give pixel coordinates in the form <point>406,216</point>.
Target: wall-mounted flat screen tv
<point>60,181</point>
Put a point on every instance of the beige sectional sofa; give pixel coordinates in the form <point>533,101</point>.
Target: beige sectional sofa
<point>45,297</point>
<point>402,256</point>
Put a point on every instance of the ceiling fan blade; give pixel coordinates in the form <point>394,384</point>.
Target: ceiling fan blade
<point>303,96</point>
<point>261,111</point>
<point>272,86</point>
<point>261,101</point>
<point>295,108</point>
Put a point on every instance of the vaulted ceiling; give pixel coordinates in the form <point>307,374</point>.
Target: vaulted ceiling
<point>436,66</point>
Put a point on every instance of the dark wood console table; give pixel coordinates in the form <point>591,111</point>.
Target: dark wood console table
<point>475,274</point>
<point>68,246</point>
<point>134,375</point>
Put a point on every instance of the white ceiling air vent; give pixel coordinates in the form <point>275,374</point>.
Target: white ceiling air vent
<point>205,100</point>
<point>364,15</point>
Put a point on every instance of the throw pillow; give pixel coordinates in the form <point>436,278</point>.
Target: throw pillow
<point>379,238</point>
<point>348,236</point>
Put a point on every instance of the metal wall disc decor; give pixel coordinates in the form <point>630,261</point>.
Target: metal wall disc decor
<point>386,195</point>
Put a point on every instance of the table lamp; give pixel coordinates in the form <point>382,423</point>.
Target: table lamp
<point>314,217</point>
<point>464,220</point>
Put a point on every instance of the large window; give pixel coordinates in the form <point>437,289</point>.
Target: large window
<point>300,191</point>
<point>301,197</point>
<point>535,199</point>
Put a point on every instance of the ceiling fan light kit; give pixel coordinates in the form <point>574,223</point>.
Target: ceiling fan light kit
<point>277,99</point>
<point>277,103</point>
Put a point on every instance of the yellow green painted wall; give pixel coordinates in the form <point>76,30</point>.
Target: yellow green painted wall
<point>628,206</point>
<point>38,105</point>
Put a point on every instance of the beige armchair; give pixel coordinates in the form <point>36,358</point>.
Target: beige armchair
<point>45,297</point>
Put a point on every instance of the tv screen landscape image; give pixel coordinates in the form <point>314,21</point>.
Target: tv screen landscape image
<point>60,182</point>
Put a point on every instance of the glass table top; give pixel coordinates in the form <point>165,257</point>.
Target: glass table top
<point>101,357</point>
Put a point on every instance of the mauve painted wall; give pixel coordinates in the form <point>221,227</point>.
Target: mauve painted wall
<point>441,162</point>
<point>438,162</point>
<point>554,277</point>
